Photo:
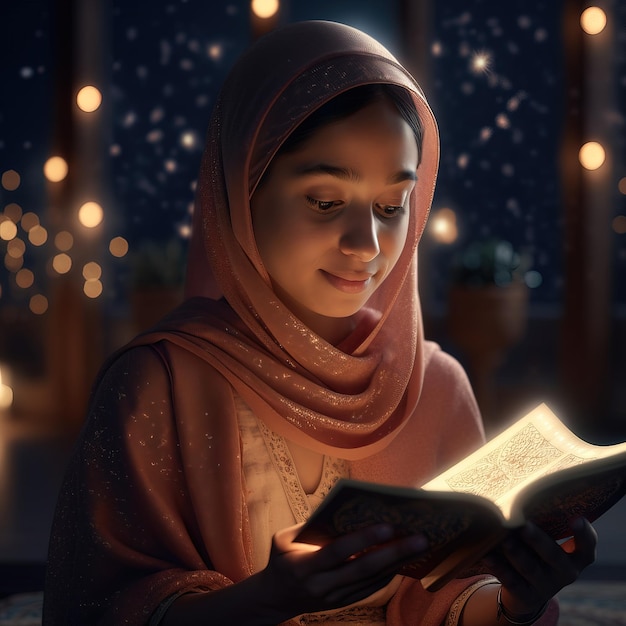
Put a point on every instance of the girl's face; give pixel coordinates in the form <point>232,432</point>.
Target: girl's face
<point>331,218</point>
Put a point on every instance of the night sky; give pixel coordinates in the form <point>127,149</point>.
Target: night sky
<point>500,124</point>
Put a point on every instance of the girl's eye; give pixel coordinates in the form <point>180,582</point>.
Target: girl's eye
<point>388,210</point>
<point>321,205</point>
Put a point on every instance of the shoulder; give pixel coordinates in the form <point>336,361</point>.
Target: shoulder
<point>448,395</point>
<point>443,372</point>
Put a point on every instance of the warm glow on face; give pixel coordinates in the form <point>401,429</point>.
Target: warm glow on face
<point>592,155</point>
<point>593,20</point>
<point>90,214</point>
<point>264,8</point>
<point>118,247</point>
<point>89,99</point>
<point>443,226</point>
<point>62,263</point>
<point>55,169</point>
<point>10,180</point>
<point>38,304</point>
<point>6,394</point>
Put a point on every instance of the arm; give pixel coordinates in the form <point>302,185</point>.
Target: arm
<point>302,579</point>
<point>532,569</point>
<point>125,528</point>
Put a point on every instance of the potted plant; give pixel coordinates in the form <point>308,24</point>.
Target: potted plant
<point>487,311</point>
<point>157,281</point>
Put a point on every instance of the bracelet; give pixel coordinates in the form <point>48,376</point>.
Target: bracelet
<point>515,619</point>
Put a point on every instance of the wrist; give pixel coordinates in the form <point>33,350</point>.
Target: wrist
<point>507,616</point>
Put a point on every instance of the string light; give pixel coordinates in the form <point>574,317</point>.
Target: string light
<point>13,211</point>
<point>38,304</point>
<point>443,227</point>
<point>90,214</point>
<point>89,99</point>
<point>24,278</point>
<point>480,62</point>
<point>118,247</point>
<point>6,394</point>
<point>92,288</point>
<point>29,221</point>
<point>8,230</point>
<point>92,271</point>
<point>64,241</point>
<point>62,263</point>
<point>55,169</point>
<point>592,155</point>
<point>619,224</point>
<point>265,8</point>
<point>38,235</point>
<point>11,180</point>
<point>593,20</point>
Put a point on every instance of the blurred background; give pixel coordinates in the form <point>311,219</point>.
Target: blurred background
<point>103,113</point>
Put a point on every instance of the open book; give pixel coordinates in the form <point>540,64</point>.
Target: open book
<point>537,469</point>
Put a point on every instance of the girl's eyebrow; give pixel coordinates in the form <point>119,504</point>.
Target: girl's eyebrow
<point>348,174</point>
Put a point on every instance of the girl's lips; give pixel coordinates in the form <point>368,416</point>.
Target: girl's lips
<point>345,285</point>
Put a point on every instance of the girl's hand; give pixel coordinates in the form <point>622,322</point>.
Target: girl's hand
<point>533,568</point>
<point>301,578</point>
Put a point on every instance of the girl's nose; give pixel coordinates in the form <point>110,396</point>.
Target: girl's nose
<point>360,235</point>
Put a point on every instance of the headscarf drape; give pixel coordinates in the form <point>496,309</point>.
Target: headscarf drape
<point>346,400</point>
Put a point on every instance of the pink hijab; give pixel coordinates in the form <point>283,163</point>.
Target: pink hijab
<point>345,400</point>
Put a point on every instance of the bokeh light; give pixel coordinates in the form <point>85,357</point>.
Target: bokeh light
<point>38,304</point>
<point>8,230</point>
<point>622,185</point>
<point>6,394</point>
<point>619,224</point>
<point>13,264</point>
<point>89,99</point>
<point>593,20</point>
<point>592,155</point>
<point>62,263</point>
<point>24,278</point>
<point>64,241</point>
<point>16,248</point>
<point>29,221</point>
<point>443,226</point>
<point>10,180</point>
<point>265,8</point>
<point>92,271</point>
<point>55,169</point>
<point>90,214</point>
<point>92,288</point>
<point>13,211</point>
<point>38,235</point>
<point>118,247</point>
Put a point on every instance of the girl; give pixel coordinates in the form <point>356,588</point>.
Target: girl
<point>297,359</point>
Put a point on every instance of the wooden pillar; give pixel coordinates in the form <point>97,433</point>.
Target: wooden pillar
<point>587,225</point>
<point>74,345</point>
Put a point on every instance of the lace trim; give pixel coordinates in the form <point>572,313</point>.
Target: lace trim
<point>454,614</point>
<point>333,469</point>
<point>356,615</point>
